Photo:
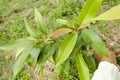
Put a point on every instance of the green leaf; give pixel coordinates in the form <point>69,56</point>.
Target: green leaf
<point>79,44</point>
<point>19,51</point>
<point>66,48</point>
<point>111,14</point>
<point>30,29</point>
<point>19,63</point>
<point>33,56</point>
<point>97,43</point>
<point>52,48</point>
<point>89,11</point>
<point>63,70</point>
<point>40,22</point>
<point>89,59</point>
<point>16,44</point>
<point>47,52</point>
<point>83,70</point>
<point>40,70</point>
<point>62,21</point>
<point>67,23</point>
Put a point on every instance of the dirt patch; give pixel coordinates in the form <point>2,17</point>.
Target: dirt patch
<point>6,68</point>
<point>49,72</point>
<point>6,63</point>
<point>112,33</point>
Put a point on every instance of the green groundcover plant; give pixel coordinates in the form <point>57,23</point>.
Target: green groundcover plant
<point>73,40</point>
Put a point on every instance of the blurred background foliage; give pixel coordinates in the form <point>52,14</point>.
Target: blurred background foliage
<point>12,13</point>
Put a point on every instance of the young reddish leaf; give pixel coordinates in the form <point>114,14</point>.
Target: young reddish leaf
<point>60,32</point>
<point>83,26</point>
<point>66,48</point>
<point>111,14</point>
<point>83,70</point>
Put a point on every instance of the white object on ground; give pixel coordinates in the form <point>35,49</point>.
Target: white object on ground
<point>106,71</point>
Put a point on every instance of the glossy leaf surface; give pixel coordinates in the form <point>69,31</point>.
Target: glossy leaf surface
<point>66,48</point>
<point>112,14</point>
<point>83,70</point>
<point>97,43</point>
<point>89,11</point>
